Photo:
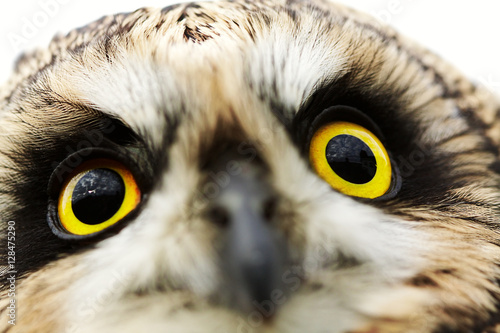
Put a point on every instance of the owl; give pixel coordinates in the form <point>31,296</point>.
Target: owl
<point>247,166</point>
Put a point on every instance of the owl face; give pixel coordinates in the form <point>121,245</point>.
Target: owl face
<point>247,167</point>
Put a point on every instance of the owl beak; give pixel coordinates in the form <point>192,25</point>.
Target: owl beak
<point>255,258</point>
<point>255,254</point>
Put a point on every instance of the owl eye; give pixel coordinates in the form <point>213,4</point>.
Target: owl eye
<point>97,195</point>
<point>351,159</point>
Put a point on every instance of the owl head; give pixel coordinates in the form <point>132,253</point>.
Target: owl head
<point>246,166</point>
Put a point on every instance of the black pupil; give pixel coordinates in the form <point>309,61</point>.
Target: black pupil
<point>97,196</point>
<point>351,159</point>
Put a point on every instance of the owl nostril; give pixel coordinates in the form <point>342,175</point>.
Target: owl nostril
<point>219,216</point>
<point>269,209</point>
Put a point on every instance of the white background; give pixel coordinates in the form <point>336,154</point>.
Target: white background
<point>464,32</point>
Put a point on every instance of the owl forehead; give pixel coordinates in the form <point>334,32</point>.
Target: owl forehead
<point>242,65</point>
<point>151,82</point>
<point>228,61</point>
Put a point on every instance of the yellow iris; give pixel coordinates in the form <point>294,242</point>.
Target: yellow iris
<point>82,183</point>
<point>351,159</point>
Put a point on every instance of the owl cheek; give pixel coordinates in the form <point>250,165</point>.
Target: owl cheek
<point>254,253</point>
